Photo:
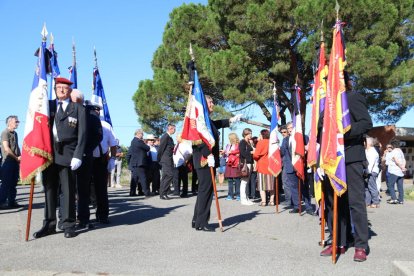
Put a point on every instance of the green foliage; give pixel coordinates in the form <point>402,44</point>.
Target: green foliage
<point>242,46</point>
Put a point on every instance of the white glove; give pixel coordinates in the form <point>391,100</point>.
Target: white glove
<point>235,119</point>
<point>321,173</point>
<point>111,164</point>
<point>210,161</point>
<point>75,163</point>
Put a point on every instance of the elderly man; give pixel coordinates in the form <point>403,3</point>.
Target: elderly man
<point>10,165</point>
<point>137,159</point>
<point>68,136</point>
<point>165,158</point>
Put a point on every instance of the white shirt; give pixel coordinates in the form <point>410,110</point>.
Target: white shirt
<point>183,153</point>
<point>108,139</point>
<point>373,158</point>
<point>153,153</point>
<point>393,168</point>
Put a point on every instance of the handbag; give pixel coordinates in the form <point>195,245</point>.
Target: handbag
<point>244,169</point>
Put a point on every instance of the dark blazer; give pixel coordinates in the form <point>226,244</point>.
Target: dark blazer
<point>166,148</point>
<point>245,151</point>
<point>201,151</point>
<point>71,130</point>
<point>361,123</point>
<point>137,155</point>
<point>286,156</point>
<point>94,132</point>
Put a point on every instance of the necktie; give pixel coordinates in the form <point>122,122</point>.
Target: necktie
<point>59,114</point>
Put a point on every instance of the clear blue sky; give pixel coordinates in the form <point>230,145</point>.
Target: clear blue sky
<point>125,34</point>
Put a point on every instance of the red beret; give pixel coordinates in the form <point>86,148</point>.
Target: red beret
<point>63,80</point>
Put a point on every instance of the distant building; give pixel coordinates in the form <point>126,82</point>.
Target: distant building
<point>405,135</point>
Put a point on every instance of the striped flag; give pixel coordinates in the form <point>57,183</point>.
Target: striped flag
<point>37,146</point>
<point>98,96</point>
<point>196,124</point>
<point>297,139</point>
<point>275,161</point>
<point>336,116</point>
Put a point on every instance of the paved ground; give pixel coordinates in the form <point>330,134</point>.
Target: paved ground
<point>154,237</point>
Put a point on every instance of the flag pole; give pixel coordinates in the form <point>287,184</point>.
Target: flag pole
<point>213,179</point>
<point>29,211</point>
<point>335,207</point>
<point>277,182</point>
<point>322,212</point>
<point>335,228</point>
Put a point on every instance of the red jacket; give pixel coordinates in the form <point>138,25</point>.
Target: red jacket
<point>261,156</point>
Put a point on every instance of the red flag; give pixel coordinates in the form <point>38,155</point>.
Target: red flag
<point>297,142</point>
<point>37,147</point>
<point>318,102</point>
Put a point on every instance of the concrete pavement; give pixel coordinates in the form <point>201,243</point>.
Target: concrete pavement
<point>154,237</point>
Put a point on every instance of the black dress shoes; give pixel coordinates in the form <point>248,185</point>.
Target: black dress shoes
<point>43,232</point>
<point>294,211</point>
<point>192,224</point>
<point>184,195</point>
<point>164,197</point>
<point>70,233</point>
<point>205,229</point>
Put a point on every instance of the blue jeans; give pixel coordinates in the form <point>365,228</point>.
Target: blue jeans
<point>234,184</point>
<point>399,180</point>
<point>9,178</point>
<point>371,191</point>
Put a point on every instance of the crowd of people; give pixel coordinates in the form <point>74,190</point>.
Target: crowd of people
<point>86,151</point>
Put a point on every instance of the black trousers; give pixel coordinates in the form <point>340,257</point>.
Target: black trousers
<point>52,176</point>
<point>182,176</point>
<point>204,197</point>
<point>83,185</point>
<point>352,211</point>
<point>139,176</point>
<point>167,176</point>
<point>194,182</point>
<point>100,180</point>
<point>153,176</point>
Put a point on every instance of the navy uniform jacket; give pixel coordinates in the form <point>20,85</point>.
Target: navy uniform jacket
<point>94,131</point>
<point>201,151</point>
<point>361,123</point>
<point>166,148</point>
<point>71,130</point>
<point>137,155</point>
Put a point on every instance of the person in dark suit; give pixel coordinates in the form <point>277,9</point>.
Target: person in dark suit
<point>165,158</point>
<point>203,159</point>
<point>137,159</point>
<point>84,173</point>
<point>351,205</point>
<point>68,136</point>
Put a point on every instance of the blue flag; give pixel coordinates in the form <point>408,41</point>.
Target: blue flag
<point>73,76</point>
<point>98,96</point>
<point>54,67</point>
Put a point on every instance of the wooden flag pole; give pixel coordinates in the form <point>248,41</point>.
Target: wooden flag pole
<point>277,195</point>
<point>300,198</point>
<point>29,211</point>
<point>213,179</point>
<point>322,210</point>
<point>335,228</point>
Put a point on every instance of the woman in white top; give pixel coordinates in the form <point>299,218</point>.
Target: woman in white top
<point>395,162</point>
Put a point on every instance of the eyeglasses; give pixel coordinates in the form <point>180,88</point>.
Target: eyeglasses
<point>284,131</point>
<point>63,87</point>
